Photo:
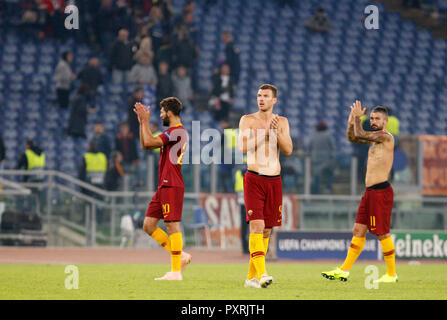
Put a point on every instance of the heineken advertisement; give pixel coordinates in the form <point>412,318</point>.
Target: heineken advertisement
<point>420,245</point>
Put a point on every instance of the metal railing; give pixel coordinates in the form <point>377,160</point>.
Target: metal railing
<point>57,187</point>
<point>82,214</point>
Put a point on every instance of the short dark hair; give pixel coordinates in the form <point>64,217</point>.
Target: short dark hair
<point>29,143</point>
<point>172,104</point>
<point>93,146</point>
<point>65,55</point>
<point>381,109</point>
<point>270,87</point>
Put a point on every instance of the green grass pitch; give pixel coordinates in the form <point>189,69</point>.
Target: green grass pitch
<point>292,281</point>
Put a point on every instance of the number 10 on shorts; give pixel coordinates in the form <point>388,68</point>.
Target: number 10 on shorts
<point>165,208</point>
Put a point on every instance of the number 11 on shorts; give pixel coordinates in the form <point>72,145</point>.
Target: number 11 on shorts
<point>372,221</point>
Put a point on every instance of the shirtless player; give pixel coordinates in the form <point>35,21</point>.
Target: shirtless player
<point>374,212</point>
<point>261,135</point>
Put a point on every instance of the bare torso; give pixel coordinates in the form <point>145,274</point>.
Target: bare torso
<point>264,158</point>
<point>380,161</point>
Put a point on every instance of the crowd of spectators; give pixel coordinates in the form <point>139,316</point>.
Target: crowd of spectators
<point>145,43</point>
<point>140,43</point>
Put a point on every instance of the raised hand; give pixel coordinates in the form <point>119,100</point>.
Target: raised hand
<point>142,113</point>
<point>357,110</point>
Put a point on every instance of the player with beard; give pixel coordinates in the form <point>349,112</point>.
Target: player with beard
<point>167,202</point>
<point>374,211</point>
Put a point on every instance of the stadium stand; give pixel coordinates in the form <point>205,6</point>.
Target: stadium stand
<point>318,75</point>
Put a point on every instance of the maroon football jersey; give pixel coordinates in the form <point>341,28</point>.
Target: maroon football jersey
<point>175,140</point>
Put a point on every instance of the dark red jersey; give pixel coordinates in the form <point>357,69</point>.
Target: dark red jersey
<point>175,140</point>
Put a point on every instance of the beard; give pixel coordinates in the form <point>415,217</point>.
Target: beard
<point>376,128</point>
<point>165,121</point>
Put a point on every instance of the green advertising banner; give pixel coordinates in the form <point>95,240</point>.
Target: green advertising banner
<point>420,245</point>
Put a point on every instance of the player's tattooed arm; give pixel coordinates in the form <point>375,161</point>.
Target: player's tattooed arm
<point>350,135</point>
<point>361,135</point>
<point>350,131</point>
<point>369,136</point>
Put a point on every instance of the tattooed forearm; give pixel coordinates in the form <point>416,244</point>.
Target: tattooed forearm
<point>371,136</point>
<point>350,132</point>
<point>351,137</point>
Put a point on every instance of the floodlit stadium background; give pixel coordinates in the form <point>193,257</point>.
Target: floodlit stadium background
<point>401,65</point>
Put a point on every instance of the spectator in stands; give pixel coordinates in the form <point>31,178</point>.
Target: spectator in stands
<point>141,33</point>
<point>32,159</point>
<point>412,4</point>
<point>35,17</point>
<point>165,53</point>
<point>143,73</point>
<point>165,85</point>
<point>79,109</point>
<point>182,86</point>
<point>92,76</point>
<point>231,56</point>
<point>322,157</point>
<point>132,119</point>
<point>283,3</point>
<point>222,93</point>
<point>106,21</point>
<point>126,143</point>
<point>64,78</point>
<point>102,140</point>
<point>121,58</point>
<point>188,7</point>
<point>115,172</point>
<point>144,48</point>
<point>184,49</point>
<point>57,19</point>
<point>167,13</point>
<point>319,22</point>
<point>190,26</point>
<point>155,27</point>
<point>93,167</point>
<point>2,152</point>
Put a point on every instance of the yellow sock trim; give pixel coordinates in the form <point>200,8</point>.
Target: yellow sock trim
<point>353,252</point>
<point>162,238</point>
<point>389,255</point>
<point>257,252</point>
<point>176,251</point>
